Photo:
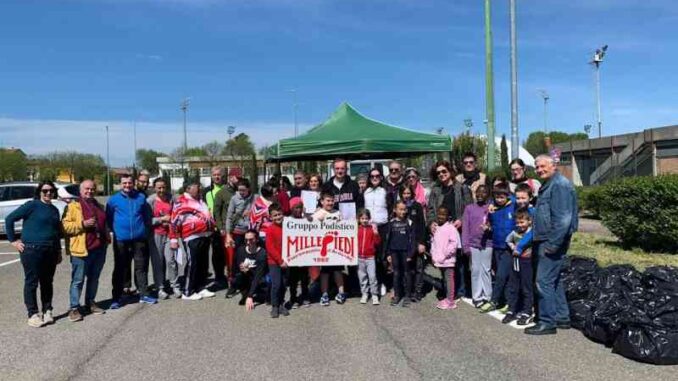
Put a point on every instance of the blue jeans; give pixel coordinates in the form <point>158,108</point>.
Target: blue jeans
<point>504,261</point>
<point>86,267</point>
<point>552,302</point>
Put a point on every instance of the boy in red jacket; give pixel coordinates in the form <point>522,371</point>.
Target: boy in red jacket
<point>276,265</point>
<point>368,241</point>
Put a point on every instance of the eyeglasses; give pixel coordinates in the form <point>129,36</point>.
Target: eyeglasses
<point>375,176</point>
<point>412,176</point>
<point>393,170</point>
<point>516,169</point>
<point>466,162</point>
<point>442,172</point>
<point>47,191</point>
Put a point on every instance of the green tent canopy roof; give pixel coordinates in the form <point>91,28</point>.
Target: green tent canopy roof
<point>349,134</point>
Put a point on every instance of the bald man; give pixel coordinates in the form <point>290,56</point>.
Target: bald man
<point>87,237</point>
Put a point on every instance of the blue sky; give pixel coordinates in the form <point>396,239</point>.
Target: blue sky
<point>68,68</point>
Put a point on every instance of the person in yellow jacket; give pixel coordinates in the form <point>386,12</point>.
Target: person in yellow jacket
<point>84,224</point>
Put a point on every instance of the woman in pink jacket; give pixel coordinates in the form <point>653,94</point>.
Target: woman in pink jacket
<point>445,242</point>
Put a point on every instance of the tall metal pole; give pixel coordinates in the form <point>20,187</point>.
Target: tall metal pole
<point>489,88</point>
<point>545,97</point>
<point>184,107</point>
<point>108,165</point>
<point>135,144</point>
<point>598,113</point>
<point>515,144</point>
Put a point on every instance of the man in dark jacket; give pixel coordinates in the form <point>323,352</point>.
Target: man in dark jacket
<point>555,220</point>
<point>341,186</point>
<point>219,211</point>
<point>392,184</point>
<point>300,184</point>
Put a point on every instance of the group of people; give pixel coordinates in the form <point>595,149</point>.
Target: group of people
<point>491,239</point>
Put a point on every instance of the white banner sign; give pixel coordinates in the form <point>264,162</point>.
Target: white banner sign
<point>320,243</point>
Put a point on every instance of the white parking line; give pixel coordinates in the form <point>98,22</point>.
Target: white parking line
<point>10,253</point>
<point>9,263</point>
<point>499,316</point>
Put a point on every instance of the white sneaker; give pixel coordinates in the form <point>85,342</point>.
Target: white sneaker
<point>163,295</point>
<point>383,290</point>
<point>194,296</point>
<point>207,293</point>
<point>35,321</point>
<point>363,299</point>
<point>48,317</point>
<point>375,300</point>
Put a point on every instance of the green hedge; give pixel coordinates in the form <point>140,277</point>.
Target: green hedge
<point>590,199</point>
<point>640,211</point>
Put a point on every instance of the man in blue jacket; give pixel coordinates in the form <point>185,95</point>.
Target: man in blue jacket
<point>129,217</point>
<point>555,220</point>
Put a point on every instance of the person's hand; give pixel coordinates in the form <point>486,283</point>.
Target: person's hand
<point>174,245</point>
<point>491,208</point>
<point>485,227</point>
<point>422,248</point>
<point>389,260</point>
<point>89,223</point>
<point>409,259</point>
<point>375,229</point>
<point>516,254</point>
<point>283,265</point>
<point>223,233</point>
<point>229,240</point>
<point>249,304</point>
<point>457,224</point>
<point>19,245</point>
<point>433,227</point>
<point>166,218</point>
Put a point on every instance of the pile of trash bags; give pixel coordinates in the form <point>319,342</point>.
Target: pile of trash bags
<point>636,314</point>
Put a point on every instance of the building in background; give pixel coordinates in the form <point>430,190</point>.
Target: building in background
<point>650,152</point>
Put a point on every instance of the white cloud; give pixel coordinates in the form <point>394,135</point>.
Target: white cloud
<point>39,136</point>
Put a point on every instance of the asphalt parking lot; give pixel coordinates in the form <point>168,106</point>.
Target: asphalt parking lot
<point>216,338</point>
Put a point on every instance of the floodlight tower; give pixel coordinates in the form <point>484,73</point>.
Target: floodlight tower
<point>597,60</point>
<point>184,107</point>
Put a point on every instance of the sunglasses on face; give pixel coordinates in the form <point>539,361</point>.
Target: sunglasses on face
<point>375,176</point>
<point>47,191</point>
<point>393,170</point>
<point>412,176</point>
<point>469,162</point>
<point>442,172</point>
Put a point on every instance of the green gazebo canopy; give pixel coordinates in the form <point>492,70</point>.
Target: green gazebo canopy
<point>349,134</point>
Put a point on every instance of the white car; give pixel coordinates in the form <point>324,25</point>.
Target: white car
<point>13,195</point>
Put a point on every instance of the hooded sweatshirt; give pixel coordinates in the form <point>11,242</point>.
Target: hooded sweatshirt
<point>444,245</point>
<point>238,215</point>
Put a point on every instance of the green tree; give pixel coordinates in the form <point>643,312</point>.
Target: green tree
<point>503,154</point>
<point>13,165</point>
<point>239,148</point>
<point>147,159</point>
<point>78,166</point>
<point>195,151</point>
<point>535,141</point>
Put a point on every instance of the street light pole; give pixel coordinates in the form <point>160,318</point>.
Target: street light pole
<point>597,60</point>
<point>108,164</point>
<point>184,107</point>
<point>135,144</point>
<point>515,145</point>
<point>545,97</point>
<point>489,87</point>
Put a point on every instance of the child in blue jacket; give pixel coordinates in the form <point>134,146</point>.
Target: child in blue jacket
<point>502,224</point>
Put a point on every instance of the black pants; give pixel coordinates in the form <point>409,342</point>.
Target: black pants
<point>198,264</point>
<point>520,290</point>
<point>243,282</point>
<point>125,252</point>
<point>417,265</point>
<point>278,284</point>
<point>402,277</point>
<point>298,275</point>
<point>39,264</point>
<point>218,258</point>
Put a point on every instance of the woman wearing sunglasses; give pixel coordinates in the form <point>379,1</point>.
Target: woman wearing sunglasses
<point>39,249</point>
<point>449,193</point>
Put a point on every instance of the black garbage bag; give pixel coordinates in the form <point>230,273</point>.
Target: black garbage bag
<point>579,312</point>
<point>611,298</point>
<point>578,275</point>
<point>661,296</point>
<point>649,344</point>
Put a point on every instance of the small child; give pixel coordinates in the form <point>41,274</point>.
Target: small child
<point>523,196</point>
<point>444,245</point>
<point>502,224</point>
<point>477,242</point>
<point>520,297</point>
<point>298,275</point>
<point>368,241</point>
<point>326,212</point>
<point>400,246</point>
<point>415,212</point>
<point>276,265</point>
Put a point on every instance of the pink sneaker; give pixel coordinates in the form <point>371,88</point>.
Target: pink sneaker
<point>446,304</point>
